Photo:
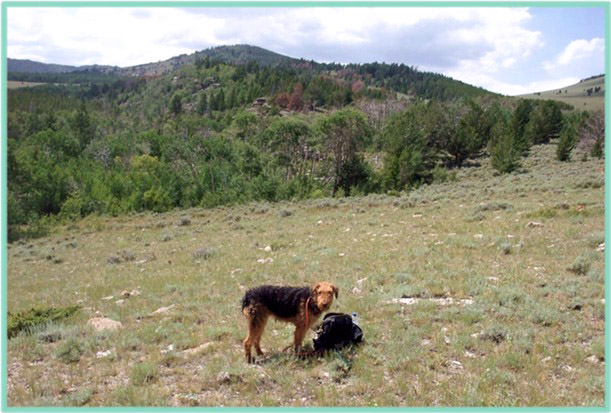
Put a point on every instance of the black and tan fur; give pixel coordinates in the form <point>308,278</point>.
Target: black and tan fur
<point>286,304</point>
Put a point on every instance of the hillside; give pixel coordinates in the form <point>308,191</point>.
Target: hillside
<point>30,66</point>
<point>235,55</point>
<point>466,229</point>
<point>588,94</point>
<point>487,291</point>
<point>212,133</point>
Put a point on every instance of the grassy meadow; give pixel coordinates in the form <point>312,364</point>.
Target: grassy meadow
<point>516,258</point>
<point>576,95</point>
<point>16,84</point>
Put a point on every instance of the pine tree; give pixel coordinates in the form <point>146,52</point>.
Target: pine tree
<point>176,104</point>
<point>504,154</point>
<point>82,126</point>
<point>567,140</point>
<point>519,121</point>
<point>202,104</point>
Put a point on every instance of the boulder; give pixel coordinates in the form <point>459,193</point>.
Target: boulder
<point>101,324</point>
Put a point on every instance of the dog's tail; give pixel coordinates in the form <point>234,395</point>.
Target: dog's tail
<point>246,300</point>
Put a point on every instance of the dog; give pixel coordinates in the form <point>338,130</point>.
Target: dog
<point>301,306</point>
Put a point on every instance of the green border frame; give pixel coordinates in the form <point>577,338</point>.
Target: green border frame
<point>275,4</point>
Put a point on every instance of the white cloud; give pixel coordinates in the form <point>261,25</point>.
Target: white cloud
<point>476,45</point>
<point>129,36</point>
<point>577,50</point>
<point>513,88</point>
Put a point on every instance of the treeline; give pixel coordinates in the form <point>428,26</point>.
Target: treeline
<point>194,138</point>
<point>74,77</point>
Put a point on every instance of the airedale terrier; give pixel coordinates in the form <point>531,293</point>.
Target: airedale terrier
<point>301,306</point>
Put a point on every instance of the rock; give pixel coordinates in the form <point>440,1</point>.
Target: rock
<point>162,310</point>
<point>224,377</point>
<point>441,301</point>
<point>168,349</point>
<point>268,248</point>
<point>110,297</point>
<point>470,355</point>
<point>101,324</point>
<point>265,260</point>
<point>601,248</point>
<point>593,359</point>
<point>425,342</point>
<point>454,366</point>
<point>135,293</point>
<point>198,349</point>
<point>567,368</point>
<point>546,359</point>
<point>119,302</point>
<point>102,354</point>
<point>534,224</point>
<point>356,290</point>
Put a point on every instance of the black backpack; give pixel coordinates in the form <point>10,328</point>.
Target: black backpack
<point>335,332</point>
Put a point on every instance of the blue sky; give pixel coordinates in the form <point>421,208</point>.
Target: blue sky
<point>507,50</point>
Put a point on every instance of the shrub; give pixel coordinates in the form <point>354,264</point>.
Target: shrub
<point>26,320</point>
<point>203,253</point>
<point>581,265</point>
<point>495,334</point>
<point>143,373</point>
<point>79,397</point>
<point>441,174</point>
<point>506,247</point>
<point>70,351</point>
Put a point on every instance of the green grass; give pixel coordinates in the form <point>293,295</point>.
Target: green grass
<point>576,94</point>
<point>523,341</point>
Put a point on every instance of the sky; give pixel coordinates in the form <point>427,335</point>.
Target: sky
<point>512,51</point>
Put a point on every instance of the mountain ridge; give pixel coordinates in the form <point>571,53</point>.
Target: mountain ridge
<point>233,54</point>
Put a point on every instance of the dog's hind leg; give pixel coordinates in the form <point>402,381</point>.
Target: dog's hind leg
<point>252,332</point>
<point>259,332</point>
<point>256,324</point>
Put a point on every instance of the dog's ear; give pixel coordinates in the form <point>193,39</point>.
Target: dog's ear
<point>315,288</point>
<point>335,290</point>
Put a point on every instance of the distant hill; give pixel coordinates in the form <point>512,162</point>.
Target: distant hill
<point>30,66</point>
<point>237,54</point>
<point>399,78</point>
<point>588,94</point>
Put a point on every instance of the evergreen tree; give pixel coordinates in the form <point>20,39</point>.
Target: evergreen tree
<point>176,104</point>
<point>545,123</point>
<point>82,126</point>
<point>345,132</point>
<point>519,122</point>
<point>504,153</point>
<point>568,138</point>
<point>202,104</point>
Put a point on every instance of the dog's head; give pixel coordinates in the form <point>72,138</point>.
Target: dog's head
<point>323,293</point>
